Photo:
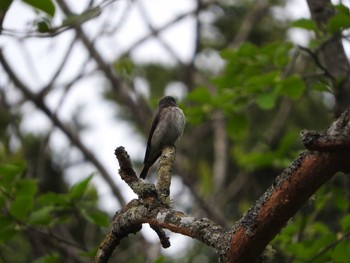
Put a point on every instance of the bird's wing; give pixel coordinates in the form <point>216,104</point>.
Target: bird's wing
<point>153,127</point>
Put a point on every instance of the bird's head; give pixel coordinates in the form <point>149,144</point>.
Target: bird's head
<point>166,101</point>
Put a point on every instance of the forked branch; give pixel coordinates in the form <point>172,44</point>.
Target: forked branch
<point>327,154</point>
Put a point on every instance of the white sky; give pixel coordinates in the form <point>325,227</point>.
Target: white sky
<point>106,132</point>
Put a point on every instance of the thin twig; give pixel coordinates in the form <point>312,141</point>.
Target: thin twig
<point>329,247</point>
<point>54,118</point>
<point>317,61</point>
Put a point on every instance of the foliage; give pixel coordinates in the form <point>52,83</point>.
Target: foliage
<point>26,212</point>
<point>308,238</point>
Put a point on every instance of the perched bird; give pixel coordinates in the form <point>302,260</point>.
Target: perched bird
<point>167,126</point>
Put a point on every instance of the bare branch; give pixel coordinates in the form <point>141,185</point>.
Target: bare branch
<point>74,138</point>
<point>135,104</point>
<point>288,193</point>
<point>258,10</point>
<point>333,54</point>
<point>220,152</point>
<point>248,238</point>
<point>164,170</point>
<point>150,208</point>
<point>155,33</point>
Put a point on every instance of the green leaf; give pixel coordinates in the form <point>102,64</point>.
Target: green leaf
<point>342,9</point>
<point>77,191</point>
<point>3,200</point>
<point>293,87</point>
<point>319,228</point>
<point>97,217</point>
<point>47,259</point>
<point>338,22</point>
<point>206,185</point>
<point>4,5</point>
<point>194,115</point>
<point>125,67</point>
<point>200,94</point>
<point>340,253</point>
<point>263,80</point>
<point>10,170</point>
<point>304,23</point>
<point>161,259</point>
<point>232,54</point>
<point>21,206</point>
<point>24,193</point>
<point>287,142</point>
<point>320,86</point>
<point>265,101</point>
<point>7,229</point>
<point>53,199</point>
<point>9,175</point>
<point>345,223</point>
<point>27,187</point>
<point>78,19</point>
<point>42,216</point>
<point>44,25</point>
<point>237,126</point>
<point>255,160</point>
<point>89,254</point>
<point>46,6</point>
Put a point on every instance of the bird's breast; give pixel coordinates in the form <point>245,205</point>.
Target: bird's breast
<point>170,126</point>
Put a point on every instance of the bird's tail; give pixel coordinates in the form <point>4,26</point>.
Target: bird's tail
<point>144,171</point>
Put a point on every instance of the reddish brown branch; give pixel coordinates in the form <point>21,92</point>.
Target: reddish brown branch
<point>247,239</point>
<point>289,192</point>
<point>154,209</point>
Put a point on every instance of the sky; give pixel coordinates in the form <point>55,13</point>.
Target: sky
<point>37,59</point>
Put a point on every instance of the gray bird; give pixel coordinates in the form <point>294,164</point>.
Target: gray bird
<point>167,126</point>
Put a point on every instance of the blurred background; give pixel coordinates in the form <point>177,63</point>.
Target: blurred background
<point>80,78</point>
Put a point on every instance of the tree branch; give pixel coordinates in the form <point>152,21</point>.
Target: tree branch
<point>135,104</point>
<point>248,237</point>
<point>164,170</point>
<point>333,53</point>
<point>287,194</point>
<point>38,101</point>
<point>150,208</point>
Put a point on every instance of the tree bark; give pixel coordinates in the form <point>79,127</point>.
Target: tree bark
<point>247,239</point>
<point>333,54</point>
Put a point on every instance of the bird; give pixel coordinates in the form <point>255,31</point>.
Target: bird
<point>167,127</point>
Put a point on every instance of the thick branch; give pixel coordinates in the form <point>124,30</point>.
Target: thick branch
<point>150,208</point>
<point>288,193</point>
<point>164,170</point>
<point>132,217</point>
<point>248,238</point>
<point>316,141</point>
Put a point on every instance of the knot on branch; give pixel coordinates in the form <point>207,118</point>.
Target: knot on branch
<point>335,138</point>
<point>150,200</point>
<point>146,191</point>
<point>153,207</point>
